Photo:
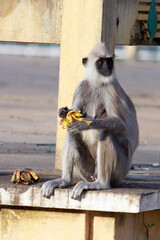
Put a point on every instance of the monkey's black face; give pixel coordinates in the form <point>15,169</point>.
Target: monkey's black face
<point>105,66</point>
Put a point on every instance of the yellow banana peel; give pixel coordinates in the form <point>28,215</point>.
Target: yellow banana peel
<point>33,174</point>
<point>25,177</point>
<point>78,183</point>
<point>73,116</point>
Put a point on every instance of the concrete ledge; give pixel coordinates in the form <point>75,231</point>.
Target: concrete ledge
<point>110,201</point>
<point>128,198</point>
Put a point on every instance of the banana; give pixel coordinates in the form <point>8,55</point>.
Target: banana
<point>24,177</point>
<point>18,176</point>
<point>73,116</point>
<point>33,174</point>
<point>78,183</point>
<point>13,178</point>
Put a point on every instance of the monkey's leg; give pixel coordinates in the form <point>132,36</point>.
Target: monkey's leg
<point>75,153</point>
<point>84,162</point>
<point>108,154</point>
<point>67,169</point>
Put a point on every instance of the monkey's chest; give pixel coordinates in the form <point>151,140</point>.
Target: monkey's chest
<point>95,110</point>
<point>96,105</point>
<point>90,138</point>
<point>101,111</point>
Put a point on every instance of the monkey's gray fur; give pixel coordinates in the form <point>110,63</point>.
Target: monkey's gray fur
<point>103,149</point>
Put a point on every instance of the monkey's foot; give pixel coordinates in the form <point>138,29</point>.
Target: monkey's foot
<point>48,187</point>
<point>82,186</point>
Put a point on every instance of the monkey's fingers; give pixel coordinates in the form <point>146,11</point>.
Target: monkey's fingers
<point>78,127</point>
<point>83,186</point>
<point>73,128</point>
<point>63,112</point>
<point>49,186</point>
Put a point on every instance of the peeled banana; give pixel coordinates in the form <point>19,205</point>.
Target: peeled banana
<point>73,116</point>
<point>25,177</point>
<point>33,174</point>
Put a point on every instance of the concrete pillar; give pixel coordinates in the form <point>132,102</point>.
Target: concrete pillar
<point>81,30</point>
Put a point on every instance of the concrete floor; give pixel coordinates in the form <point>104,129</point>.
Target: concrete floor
<point>28,103</point>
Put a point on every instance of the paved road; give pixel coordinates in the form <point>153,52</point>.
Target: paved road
<point>28,103</point>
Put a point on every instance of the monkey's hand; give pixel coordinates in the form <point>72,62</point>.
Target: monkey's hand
<point>49,186</point>
<point>83,186</point>
<point>78,127</point>
<point>63,112</point>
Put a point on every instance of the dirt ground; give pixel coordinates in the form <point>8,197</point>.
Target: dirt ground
<point>28,116</point>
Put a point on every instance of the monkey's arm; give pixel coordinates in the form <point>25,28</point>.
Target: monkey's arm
<point>80,95</point>
<point>110,124</point>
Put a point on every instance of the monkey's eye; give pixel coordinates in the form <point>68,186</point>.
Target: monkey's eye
<point>100,62</point>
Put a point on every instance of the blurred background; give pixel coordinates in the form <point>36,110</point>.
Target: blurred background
<point>29,76</point>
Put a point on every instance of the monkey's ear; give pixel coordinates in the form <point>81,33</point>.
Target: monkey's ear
<point>84,61</point>
<point>111,56</point>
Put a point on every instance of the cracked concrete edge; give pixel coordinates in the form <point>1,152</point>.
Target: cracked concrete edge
<point>109,201</point>
<point>150,201</point>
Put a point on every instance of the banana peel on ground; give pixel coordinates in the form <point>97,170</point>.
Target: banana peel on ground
<point>25,177</point>
<point>71,117</point>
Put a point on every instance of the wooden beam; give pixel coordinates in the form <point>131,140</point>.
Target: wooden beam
<point>146,26</point>
<point>157,35</point>
<point>119,17</point>
<point>109,24</point>
<point>148,1</point>
<point>146,8</point>
<point>127,13</point>
<point>30,21</point>
<point>144,17</point>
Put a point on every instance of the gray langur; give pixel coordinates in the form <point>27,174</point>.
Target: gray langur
<point>102,150</point>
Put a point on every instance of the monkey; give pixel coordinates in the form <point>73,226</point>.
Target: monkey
<point>102,151</point>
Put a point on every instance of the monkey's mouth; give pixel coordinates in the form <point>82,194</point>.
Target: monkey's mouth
<point>106,73</point>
